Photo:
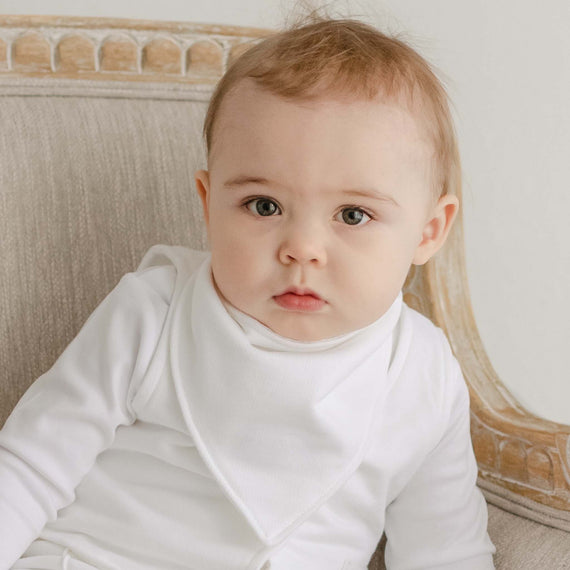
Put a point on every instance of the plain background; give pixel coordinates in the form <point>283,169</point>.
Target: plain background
<point>506,66</point>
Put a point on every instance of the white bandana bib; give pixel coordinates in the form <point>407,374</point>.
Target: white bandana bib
<point>280,423</point>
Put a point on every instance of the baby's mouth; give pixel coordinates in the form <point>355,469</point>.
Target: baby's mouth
<point>296,299</point>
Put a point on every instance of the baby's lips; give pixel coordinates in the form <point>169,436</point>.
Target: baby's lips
<point>299,300</point>
<point>300,291</point>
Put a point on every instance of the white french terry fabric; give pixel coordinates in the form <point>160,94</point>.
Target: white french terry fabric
<point>273,415</point>
<point>176,432</point>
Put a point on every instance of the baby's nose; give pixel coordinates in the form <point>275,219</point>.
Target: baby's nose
<point>303,245</point>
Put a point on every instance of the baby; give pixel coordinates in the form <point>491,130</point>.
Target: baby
<point>272,403</point>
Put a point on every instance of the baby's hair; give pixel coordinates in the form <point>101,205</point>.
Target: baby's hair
<point>328,58</point>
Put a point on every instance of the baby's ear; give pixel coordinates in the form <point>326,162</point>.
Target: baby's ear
<point>202,178</point>
<point>437,228</point>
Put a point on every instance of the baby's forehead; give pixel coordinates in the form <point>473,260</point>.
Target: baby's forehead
<point>317,146</point>
<point>247,101</point>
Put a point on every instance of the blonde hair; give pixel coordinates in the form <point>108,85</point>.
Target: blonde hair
<point>346,57</point>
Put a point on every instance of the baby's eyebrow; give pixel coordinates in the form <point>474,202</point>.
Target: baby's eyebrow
<point>370,193</point>
<point>244,179</point>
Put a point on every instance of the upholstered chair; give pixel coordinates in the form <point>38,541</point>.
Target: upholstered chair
<point>100,135</point>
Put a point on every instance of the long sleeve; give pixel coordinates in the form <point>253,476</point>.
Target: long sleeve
<point>439,520</point>
<point>70,413</point>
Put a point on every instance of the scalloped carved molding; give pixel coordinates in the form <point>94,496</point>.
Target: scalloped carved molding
<point>119,49</point>
<point>515,449</point>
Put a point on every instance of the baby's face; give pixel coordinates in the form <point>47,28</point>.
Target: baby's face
<point>315,211</point>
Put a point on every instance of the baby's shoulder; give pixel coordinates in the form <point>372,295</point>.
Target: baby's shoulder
<point>164,267</point>
<point>425,335</point>
<point>431,352</point>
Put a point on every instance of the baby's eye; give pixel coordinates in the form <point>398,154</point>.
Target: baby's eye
<point>353,216</point>
<point>262,207</point>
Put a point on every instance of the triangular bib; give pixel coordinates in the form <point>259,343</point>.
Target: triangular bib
<point>280,423</point>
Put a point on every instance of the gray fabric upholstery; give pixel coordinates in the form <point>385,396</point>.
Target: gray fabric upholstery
<point>521,544</point>
<point>91,175</point>
<point>88,184</point>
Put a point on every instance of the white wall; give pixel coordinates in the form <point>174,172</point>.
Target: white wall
<point>508,72</point>
<point>509,66</point>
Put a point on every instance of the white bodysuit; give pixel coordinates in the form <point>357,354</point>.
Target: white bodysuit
<point>175,432</point>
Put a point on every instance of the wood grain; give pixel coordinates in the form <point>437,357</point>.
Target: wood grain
<point>122,50</point>
<point>75,53</point>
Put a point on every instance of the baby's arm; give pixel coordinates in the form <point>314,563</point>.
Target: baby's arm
<point>439,521</point>
<point>70,414</point>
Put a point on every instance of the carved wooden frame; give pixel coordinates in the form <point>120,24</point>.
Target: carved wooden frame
<point>516,451</point>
